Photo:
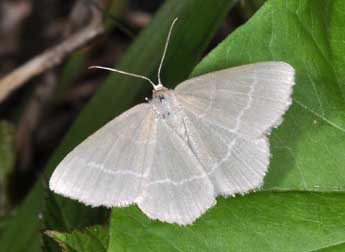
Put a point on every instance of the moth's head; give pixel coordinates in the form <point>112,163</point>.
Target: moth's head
<point>158,90</point>
<point>159,96</point>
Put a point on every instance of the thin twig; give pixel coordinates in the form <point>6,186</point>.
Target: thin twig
<point>49,58</point>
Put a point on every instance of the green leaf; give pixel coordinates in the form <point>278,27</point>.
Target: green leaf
<point>307,149</point>
<point>285,221</point>
<point>92,239</point>
<point>22,232</point>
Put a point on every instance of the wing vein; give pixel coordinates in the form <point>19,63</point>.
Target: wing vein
<point>249,102</point>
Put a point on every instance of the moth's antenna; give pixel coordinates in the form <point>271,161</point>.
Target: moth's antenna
<point>155,86</point>
<point>165,50</point>
<point>126,73</point>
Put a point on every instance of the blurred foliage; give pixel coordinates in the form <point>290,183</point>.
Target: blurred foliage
<point>7,161</point>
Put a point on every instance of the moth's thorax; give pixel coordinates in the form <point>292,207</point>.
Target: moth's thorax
<point>165,104</point>
<point>168,109</point>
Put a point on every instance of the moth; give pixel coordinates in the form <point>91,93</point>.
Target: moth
<point>173,155</point>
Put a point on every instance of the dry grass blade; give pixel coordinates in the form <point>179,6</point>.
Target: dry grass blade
<point>50,57</point>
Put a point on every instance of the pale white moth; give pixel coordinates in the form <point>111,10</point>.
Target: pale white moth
<point>173,155</point>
